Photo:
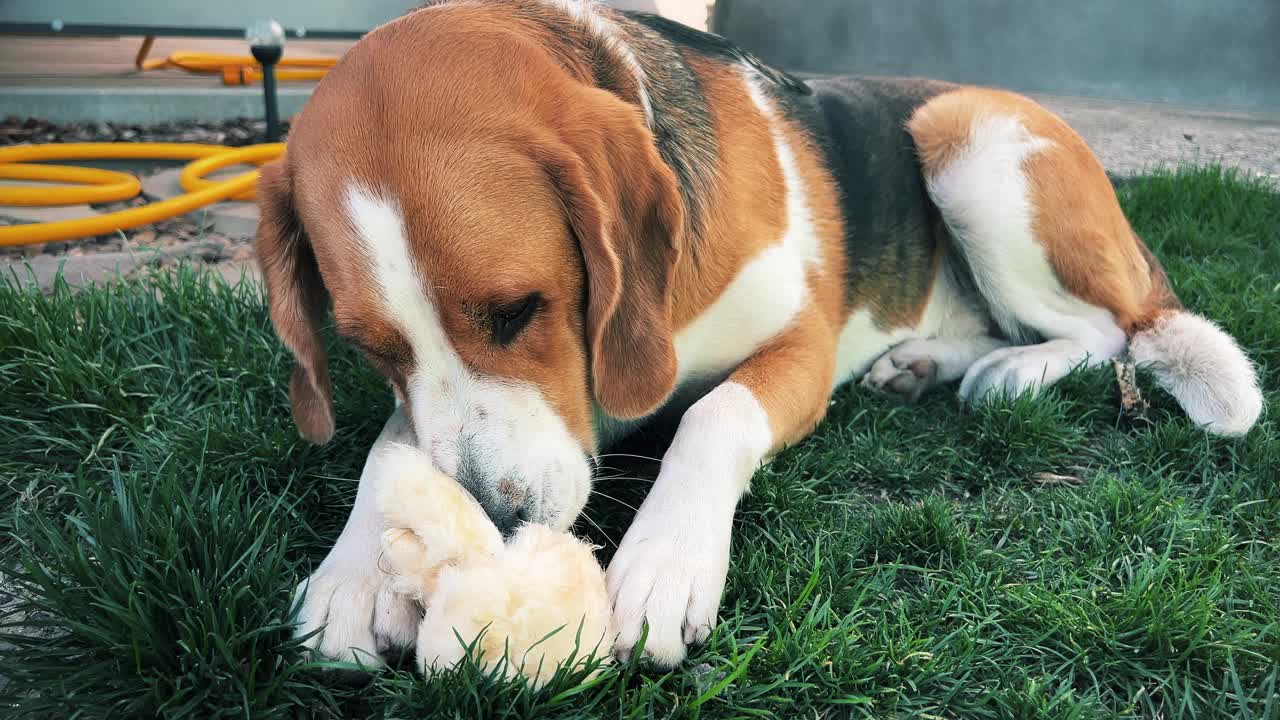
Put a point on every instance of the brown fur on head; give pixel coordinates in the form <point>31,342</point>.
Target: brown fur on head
<point>509,177</point>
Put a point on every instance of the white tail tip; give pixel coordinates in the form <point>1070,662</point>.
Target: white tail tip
<point>1204,369</point>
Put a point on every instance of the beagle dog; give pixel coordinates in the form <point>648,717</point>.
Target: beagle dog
<point>544,221</point>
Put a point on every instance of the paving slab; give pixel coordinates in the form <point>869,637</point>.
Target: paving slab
<point>84,79</point>
<point>234,219</point>
<point>100,268</point>
<point>27,214</point>
<point>24,214</point>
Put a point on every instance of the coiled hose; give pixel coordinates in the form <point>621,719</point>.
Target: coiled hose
<point>92,185</point>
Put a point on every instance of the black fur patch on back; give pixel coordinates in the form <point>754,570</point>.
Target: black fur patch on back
<point>713,46</point>
<point>681,124</point>
<point>892,229</point>
<point>682,121</point>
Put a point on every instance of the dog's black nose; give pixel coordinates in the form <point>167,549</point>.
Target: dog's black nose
<point>506,517</point>
<point>504,499</point>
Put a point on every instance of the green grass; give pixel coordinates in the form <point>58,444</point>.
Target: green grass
<point>902,562</point>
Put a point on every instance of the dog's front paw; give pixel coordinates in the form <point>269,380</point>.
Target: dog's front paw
<point>356,613</point>
<point>669,575</point>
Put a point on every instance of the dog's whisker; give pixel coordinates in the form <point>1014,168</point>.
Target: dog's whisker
<point>612,468</point>
<point>596,525</point>
<point>622,474</point>
<point>632,478</point>
<point>618,473</point>
<point>620,502</point>
<point>628,455</point>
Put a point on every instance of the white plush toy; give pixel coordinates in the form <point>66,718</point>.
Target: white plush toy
<point>445,553</point>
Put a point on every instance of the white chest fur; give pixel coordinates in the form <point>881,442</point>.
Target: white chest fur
<point>768,291</point>
<point>761,300</point>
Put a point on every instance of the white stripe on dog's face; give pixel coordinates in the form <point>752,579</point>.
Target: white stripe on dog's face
<point>498,436</point>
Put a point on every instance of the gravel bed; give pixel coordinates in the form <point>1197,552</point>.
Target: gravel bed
<point>154,237</point>
<point>241,131</point>
<point>1133,137</point>
<point>157,236</point>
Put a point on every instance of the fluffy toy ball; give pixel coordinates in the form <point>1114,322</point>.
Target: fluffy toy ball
<point>536,598</point>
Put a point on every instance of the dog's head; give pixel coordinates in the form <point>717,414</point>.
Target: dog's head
<point>495,234</point>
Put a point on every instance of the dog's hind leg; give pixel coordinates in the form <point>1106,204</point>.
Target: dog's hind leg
<point>1032,211</point>
<point>1036,219</point>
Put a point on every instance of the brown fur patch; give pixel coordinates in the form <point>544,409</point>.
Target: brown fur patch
<point>297,299</point>
<point>746,211</point>
<point>792,374</point>
<point>1089,243</point>
<point>792,377</point>
<point>825,281</point>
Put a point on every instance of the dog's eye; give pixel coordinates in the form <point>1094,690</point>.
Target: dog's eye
<point>509,320</point>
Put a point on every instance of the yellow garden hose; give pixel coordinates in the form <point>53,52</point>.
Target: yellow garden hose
<point>237,69</point>
<point>192,176</point>
<point>96,185</point>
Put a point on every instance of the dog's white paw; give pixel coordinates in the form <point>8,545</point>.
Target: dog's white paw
<point>356,613</point>
<point>1013,371</point>
<point>395,619</point>
<point>670,574</point>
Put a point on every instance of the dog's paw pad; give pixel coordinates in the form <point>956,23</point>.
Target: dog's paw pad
<point>902,375</point>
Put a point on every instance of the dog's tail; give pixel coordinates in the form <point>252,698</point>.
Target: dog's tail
<point>1203,368</point>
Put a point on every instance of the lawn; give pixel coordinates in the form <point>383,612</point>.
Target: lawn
<point>902,562</point>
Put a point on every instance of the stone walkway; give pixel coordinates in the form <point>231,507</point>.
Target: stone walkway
<point>1133,137</point>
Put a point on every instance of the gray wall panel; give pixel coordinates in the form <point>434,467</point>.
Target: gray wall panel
<point>1200,52</point>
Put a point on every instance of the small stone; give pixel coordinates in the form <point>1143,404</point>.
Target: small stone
<point>705,676</point>
<point>1048,478</point>
<point>144,237</point>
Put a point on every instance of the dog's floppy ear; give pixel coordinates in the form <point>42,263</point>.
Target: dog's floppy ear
<point>297,298</point>
<point>624,207</point>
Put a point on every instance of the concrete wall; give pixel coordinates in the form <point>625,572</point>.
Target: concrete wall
<point>227,17</point>
<point>690,12</point>
<point>1215,53</point>
<point>230,17</point>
